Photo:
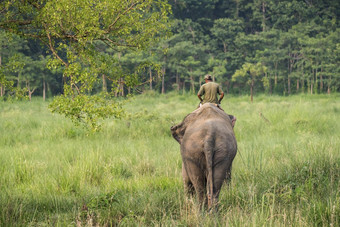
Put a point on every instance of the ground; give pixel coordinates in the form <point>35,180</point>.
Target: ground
<point>286,171</point>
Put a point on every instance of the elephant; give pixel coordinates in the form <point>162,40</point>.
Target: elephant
<point>208,147</point>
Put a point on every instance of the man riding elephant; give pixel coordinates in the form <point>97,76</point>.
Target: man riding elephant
<point>208,147</point>
<point>209,91</point>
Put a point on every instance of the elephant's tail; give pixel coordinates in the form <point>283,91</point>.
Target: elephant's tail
<point>208,150</point>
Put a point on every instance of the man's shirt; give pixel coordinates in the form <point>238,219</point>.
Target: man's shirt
<point>209,91</point>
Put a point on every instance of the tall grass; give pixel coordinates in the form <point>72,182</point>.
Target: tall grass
<point>286,171</point>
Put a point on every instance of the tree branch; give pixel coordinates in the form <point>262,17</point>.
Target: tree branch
<point>53,50</point>
<point>18,22</point>
<point>35,5</point>
<point>120,15</point>
<point>73,84</point>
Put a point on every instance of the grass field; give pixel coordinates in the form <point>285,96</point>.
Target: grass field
<point>286,171</point>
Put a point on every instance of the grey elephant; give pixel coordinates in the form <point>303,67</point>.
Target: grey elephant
<point>208,147</point>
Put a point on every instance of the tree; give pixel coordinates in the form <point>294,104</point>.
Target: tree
<point>225,31</point>
<point>271,56</point>
<point>11,48</point>
<point>250,70</point>
<point>71,29</point>
<point>296,40</point>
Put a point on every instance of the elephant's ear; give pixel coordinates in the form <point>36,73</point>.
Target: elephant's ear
<point>177,132</point>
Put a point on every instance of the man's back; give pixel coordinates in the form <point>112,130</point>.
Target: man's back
<point>210,91</point>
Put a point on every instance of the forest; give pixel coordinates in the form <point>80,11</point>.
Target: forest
<point>129,70</point>
<point>269,46</point>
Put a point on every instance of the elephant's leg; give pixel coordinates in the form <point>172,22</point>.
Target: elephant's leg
<point>197,178</point>
<point>228,175</point>
<point>219,176</point>
<point>188,186</point>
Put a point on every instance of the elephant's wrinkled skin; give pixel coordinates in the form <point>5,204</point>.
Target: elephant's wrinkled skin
<point>208,147</point>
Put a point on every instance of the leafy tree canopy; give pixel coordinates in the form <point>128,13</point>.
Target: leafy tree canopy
<point>74,30</point>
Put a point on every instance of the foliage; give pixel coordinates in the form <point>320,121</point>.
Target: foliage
<point>252,71</point>
<point>90,46</point>
<point>72,31</point>
<point>87,109</point>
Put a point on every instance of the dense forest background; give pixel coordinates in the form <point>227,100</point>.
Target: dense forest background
<point>268,46</point>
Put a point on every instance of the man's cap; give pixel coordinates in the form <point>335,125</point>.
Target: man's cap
<point>207,77</point>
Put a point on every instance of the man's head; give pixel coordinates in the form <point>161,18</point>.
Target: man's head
<point>207,78</point>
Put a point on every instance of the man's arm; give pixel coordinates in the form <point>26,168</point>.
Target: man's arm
<point>200,93</point>
<point>219,91</point>
<point>221,97</point>
<point>200,98</point>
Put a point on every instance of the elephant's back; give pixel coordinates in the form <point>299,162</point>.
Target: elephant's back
<point>213,131</point>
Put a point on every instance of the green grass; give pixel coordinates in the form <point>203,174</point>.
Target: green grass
<point>286,171</point>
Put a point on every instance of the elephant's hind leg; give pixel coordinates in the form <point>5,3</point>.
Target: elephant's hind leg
<point>228,175</point>
<point>188,186</point>
<point>197,179</point>
<point>221,174</point>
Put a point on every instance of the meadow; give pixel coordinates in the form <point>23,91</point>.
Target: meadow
<point>286,171</point>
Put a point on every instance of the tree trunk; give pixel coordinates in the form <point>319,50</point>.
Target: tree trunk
<point>150,74</point>
<point>104,83</point>
<point>297,85</point>
<point>275,78</point>
<point>308,85</point>
<point>122,87</point>
<point>289,71</point>
<point>177,81</point>
<point>192,82</point>
<point>316,81</point>
<point>119,80</point>
<point>117,90</point>
<point>270,85</point>
<point>183,86</point>
<point>63,82</point>
<point>44,90</point>
<point>311,86</point>
<point>18,79</point>
<point>1,86</point>
<point>328,85</point>
<point>163,84</point>
<point>30,92</point>
<point>251,90</point>
<point>47,87</point>
<point>284,86</point>
<point>302,81</point>
<point>321,81</point>
<point>163,71</point>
